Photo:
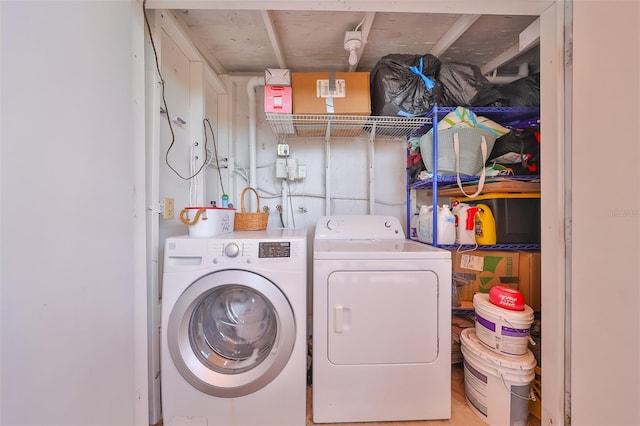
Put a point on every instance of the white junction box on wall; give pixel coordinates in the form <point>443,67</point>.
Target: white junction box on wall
<point>288,168</point>
<point>281,168</point>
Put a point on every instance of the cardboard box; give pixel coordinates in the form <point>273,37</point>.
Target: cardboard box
<point>530,279</point>
<point>277,99</point>
<point>479,270</point>
<point>336,93</point>
<point>277,77</point>
<point>324,94</point>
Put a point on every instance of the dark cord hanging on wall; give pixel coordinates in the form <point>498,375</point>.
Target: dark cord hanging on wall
<point>166,108</point>
<point>206,123</point>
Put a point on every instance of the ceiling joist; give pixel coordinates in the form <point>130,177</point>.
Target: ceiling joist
<point>367,23</point>
<point>529,38</point>
<point>273,37</point>
<point>454,33</point>
<point>474,7</point>
<point>181,32</point>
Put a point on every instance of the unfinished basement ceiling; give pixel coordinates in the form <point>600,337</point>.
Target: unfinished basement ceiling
<point>248,41</point>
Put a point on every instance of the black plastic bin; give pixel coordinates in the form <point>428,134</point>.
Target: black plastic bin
<point>516,215</point>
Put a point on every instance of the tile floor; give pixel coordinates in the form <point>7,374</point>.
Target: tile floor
<point>461,414</point>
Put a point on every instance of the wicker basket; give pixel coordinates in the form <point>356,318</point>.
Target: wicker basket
<point>250,221</point>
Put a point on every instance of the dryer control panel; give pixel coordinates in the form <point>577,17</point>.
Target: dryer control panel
<point>359,227</point>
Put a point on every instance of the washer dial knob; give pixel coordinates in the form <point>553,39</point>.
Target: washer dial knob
<point>232,250</point>
<point>332,224</point>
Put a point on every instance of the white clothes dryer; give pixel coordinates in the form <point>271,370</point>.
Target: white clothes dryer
<point>233,329</point>
<point>381,323</point>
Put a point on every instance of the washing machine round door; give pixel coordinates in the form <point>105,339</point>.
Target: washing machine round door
<point>231,332</point>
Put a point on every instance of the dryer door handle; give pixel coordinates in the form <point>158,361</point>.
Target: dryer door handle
<point>338,318</point>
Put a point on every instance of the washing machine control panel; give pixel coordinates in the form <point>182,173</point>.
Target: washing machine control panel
<point>255,250</point>
<point>274,249</point>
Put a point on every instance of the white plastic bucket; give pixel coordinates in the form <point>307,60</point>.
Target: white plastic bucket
<point>208,221</point>
<point>497,386</point>
<point>503,330</point>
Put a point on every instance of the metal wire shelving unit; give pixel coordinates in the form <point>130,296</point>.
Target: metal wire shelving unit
<point>329,126</point>
<point>511,117</point>
<point>336,126</point>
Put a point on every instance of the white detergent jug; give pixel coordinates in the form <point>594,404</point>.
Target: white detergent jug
<point>425,223</point>
<point>465,223</point>
<point>456,207</point>
<point>413,229</point>
<point>446,225</point>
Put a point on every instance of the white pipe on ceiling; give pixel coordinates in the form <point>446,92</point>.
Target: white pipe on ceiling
<point>523,71</point>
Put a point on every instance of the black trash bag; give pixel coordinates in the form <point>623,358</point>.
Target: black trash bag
<point>518,150</point>
<point>524,92</point>
<point>405,85</point>
<point>464,85</point>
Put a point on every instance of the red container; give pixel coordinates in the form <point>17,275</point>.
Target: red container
<point>506,297</point>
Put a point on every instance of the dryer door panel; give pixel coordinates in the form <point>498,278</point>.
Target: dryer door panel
<point>382,317</point>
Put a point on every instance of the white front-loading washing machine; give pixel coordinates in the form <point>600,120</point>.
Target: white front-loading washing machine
<point>233,329</point>
<point>381,323</point>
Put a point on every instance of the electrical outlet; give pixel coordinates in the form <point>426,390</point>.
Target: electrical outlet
<point>283,149</point>
<point>167,208</point>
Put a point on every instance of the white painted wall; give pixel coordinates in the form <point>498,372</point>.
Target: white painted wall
<point>348,166</point>
<point>176,148</point>
<point>67,269</point>
<point>605,285</point>
<point>70,216</point>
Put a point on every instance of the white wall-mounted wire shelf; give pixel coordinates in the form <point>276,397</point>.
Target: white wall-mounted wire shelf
<point>334,126</point>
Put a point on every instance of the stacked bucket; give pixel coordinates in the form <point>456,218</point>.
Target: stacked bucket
<point>498,365</point>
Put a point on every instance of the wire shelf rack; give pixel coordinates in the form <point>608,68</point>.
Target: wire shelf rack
<point>324,126</point>
<point>471,248</point>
